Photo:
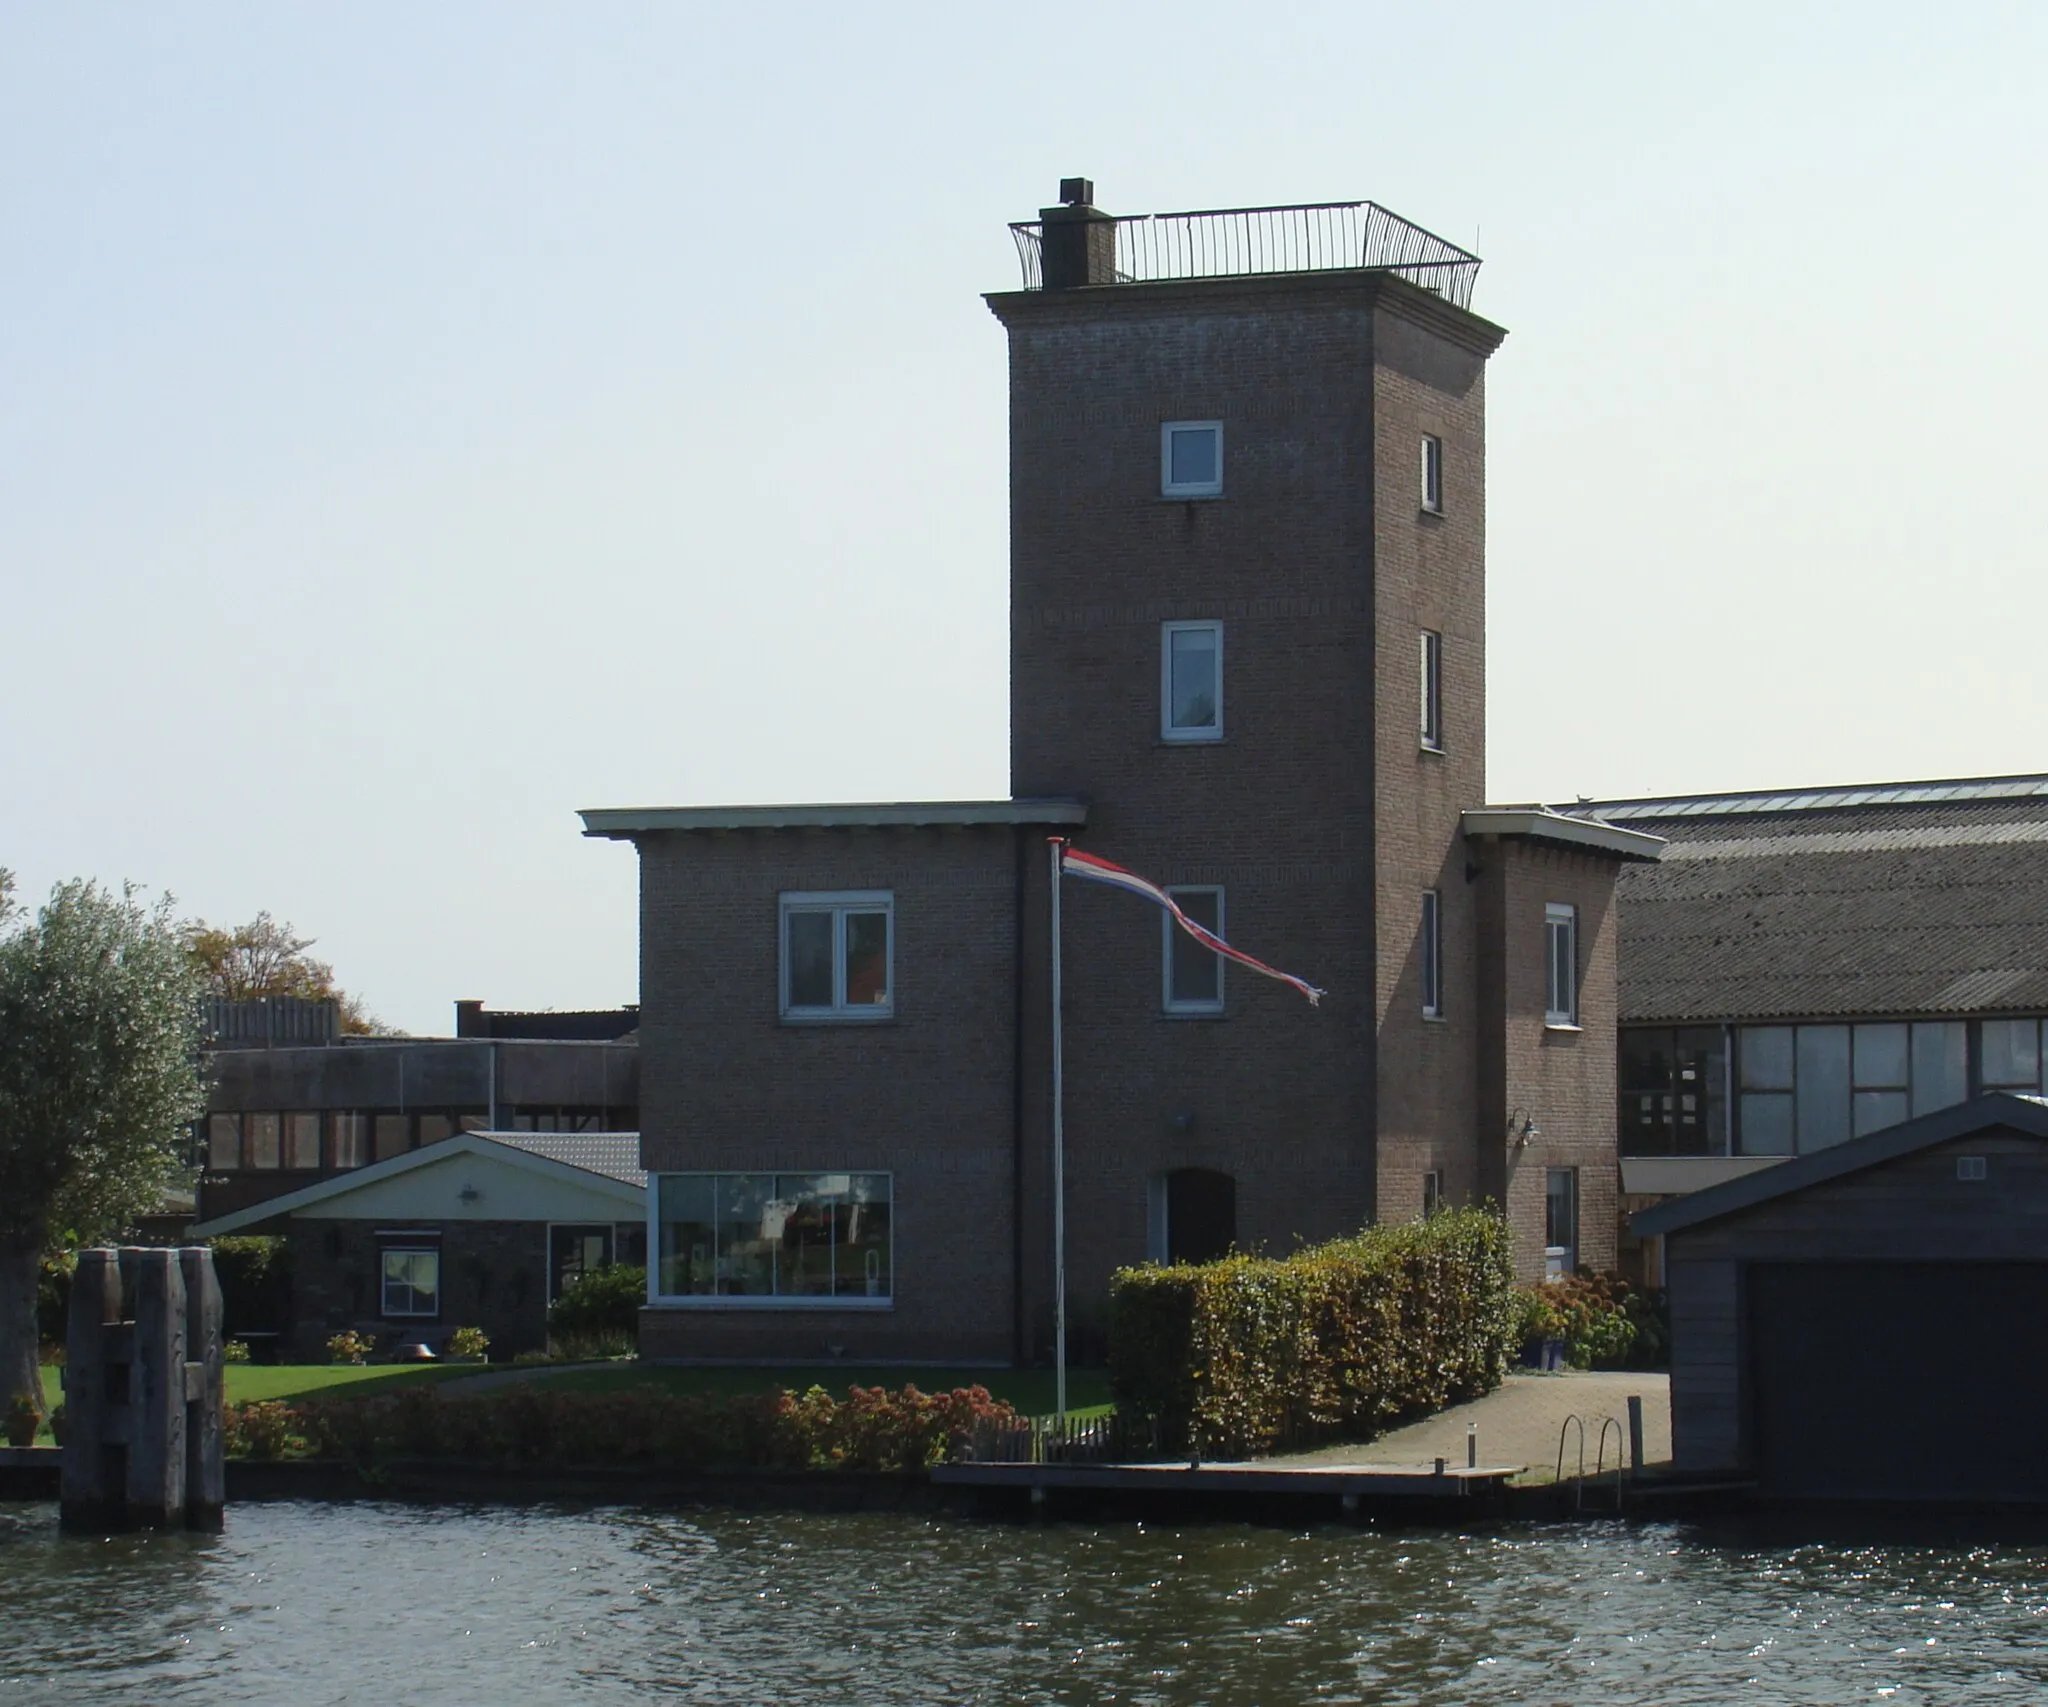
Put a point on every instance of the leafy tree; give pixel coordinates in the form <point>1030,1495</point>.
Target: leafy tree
<point>244,963</point>
<point>99,1083</point>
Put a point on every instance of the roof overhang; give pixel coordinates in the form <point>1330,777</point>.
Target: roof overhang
<point>2025,1114</point>
<point>625,822</point>
<point>289,1203</point>
<point>1540,824</point>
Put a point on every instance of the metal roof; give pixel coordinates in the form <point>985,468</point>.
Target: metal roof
<point>1814,799</point>
<point>616,1155</point>
<point>623,823</point>
<point>1539,823</point>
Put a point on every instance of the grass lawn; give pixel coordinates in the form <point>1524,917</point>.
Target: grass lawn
<point>249,1382</point>
<point>1030,1390</point>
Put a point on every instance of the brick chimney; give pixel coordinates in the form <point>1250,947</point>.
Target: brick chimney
<point>1077,239</point>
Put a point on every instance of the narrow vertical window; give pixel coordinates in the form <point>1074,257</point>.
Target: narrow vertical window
<point>1432,954</point>
<point>1433,475</point>
<point>1191,681</point>
<point>1432,679</point>
<point>1561,964</point>
<point>1191,459</point>
<point>1193,975</point>
<point>1432,1192</point>
<point>1561,1222</point>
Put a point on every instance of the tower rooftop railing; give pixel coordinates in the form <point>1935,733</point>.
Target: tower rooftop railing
<point>1242,242</point>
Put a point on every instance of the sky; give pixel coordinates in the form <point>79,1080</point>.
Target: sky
<point>420,422</point>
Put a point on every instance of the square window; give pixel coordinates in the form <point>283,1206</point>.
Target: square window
<point>1191,459</point>
<point>1191,681</point>
<point>1433,475</point>
<point>1432,950</point>
<point>1193,974</point>
<point>1432,678</point>
<point>838,955</point>
<point>412,1281</point>
<point>1561,963</point>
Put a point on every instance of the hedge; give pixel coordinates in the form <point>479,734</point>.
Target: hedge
<point>525,1426</point>
<point>1252,1354</point>
<point>605,1301</point>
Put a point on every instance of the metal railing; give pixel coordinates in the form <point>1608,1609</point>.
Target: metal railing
<point>1314,237</point>
<point>1071,1440</point>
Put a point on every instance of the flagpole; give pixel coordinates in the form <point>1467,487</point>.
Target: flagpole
<point>1057,848</point>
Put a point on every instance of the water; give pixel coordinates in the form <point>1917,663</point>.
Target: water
<point>393,1604</point>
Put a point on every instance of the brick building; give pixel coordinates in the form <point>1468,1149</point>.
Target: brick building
<point>1247,660</point>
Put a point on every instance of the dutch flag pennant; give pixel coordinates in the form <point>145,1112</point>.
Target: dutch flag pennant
<point>1074,863</point>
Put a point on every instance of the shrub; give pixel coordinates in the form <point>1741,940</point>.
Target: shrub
<point>606,1300</point>
<point>870,1429</point>
<point>53,1298</point>
<point>1606,1322</point>
<point>348,1346</point>
<point>1248,1354</point>
<point>469,1342</point>
<point>267,1429</point>
<point>235,1351</point>
<point>255,1277</point>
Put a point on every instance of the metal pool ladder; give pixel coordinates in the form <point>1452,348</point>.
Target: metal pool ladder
<point>1579,1480</point>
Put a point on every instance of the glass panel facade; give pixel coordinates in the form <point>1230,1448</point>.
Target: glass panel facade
<point>1673,1085</point>
<point>2011,1054</point>
<point>224,1142</point>
<point>302,1142</point>
<point>261,1133</point>
<point>1941,1065</point>
<point>816,1237</point>
<point>1766,1123</point>
<point>1767,1058</point>
<point>1822,1091</point>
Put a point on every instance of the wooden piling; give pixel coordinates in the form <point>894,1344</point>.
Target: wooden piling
<point>205,1468</point>
<point>94,1474</point>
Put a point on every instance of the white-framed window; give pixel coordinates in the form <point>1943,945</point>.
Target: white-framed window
<point>1191,681</point>
<point>1432,947</point>
<point>1192,976</point>
<point>1432,681</point>
<point>1433,474</point>
<point>1191,459</point>
<point>769,1241</point>
<point>1560,963</point>
<point>839,955</point>
<point>1560,1222</point>
<point>1432,1192</point>
<point>411,1281</point>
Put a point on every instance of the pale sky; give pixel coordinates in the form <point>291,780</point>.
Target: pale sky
<point>419,422</point>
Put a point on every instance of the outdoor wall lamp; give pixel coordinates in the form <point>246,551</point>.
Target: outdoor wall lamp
<point>1522,1127</point>
<point>470,1194</point>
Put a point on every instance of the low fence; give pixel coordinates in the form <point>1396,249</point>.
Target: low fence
<point>1109,1439</point>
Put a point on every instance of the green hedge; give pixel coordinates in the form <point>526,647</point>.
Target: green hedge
<point>1251,1354</point>
<point>605,1301</point>
<point>870,1429</point>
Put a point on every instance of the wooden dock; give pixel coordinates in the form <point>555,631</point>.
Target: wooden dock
<point>1236,1489</point>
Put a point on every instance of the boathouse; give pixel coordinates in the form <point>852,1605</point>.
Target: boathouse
<point>1870,1321</point>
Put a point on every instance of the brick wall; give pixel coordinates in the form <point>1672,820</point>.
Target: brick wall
<point>927,1095</point>
<point>493,1276</point>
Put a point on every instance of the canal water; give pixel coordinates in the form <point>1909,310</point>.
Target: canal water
<point>396,1604</point>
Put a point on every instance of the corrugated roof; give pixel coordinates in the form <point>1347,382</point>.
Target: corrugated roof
<point>1816,799</point>
<point>1928,907</point>
<point>616,1155</point>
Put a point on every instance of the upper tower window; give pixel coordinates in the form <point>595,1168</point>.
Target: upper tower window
<point>837,955</point>
<point>1191,459</point>
<point>1433,475</point>
<point>1191,681</point>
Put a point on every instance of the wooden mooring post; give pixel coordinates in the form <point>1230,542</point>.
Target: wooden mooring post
<point>142,1392</point>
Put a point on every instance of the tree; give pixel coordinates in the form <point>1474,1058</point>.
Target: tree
<point>263,958</point>
<point>99,1086</point>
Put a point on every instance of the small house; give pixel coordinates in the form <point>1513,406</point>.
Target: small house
<point>482,1229</point>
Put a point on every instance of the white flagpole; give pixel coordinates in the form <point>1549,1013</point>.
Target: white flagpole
<point>1059,1159</point>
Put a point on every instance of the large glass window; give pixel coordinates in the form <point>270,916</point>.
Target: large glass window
<point>1674,1099</point>
<point>1193,974</point>
<point>837,955</point>
<point>2010,1050</point>
<point>1941,1065</point>
<point>412,1280</point>
<point>302,1142</point>
<point>393,1135</point>
<point>809,1238</point>
<point>1806,1087</point>
<point>224,1142</point>
<point>260,1131</point>
<point>348,1140</point>
<point>1191,681</point>
<point>1191,459</point>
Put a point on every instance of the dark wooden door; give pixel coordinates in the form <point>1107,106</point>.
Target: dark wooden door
<point>1899,1381</point>
<point>1201,1215</point>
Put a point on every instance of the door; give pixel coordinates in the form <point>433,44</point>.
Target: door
<point>573,1252</point>
<point>1899,1381</point>
<point>1201,1215</point>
